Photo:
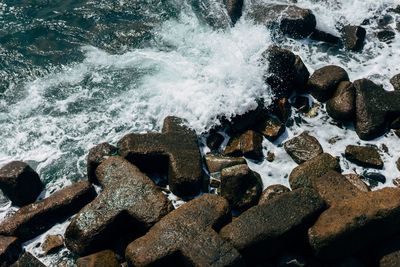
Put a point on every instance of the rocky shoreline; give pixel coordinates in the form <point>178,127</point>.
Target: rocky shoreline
<point>326,218</point>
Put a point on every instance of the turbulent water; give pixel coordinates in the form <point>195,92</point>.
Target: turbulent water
<point>74,73</point>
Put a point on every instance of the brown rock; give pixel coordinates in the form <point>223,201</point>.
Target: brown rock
<point>20,183</point>
<point>271,128</point>
<point>303,147</point>
<point>52,243</point>
<point>105,258</point>
<point>270,156</point>
<point>357,181</point>
<point>27,259</point>
<point>350,225</point>
<point>324,82</point>
<point>174,151</point>
<point>353,37</point>
<point>302,175</point>
<point>187,235</point>
<point>241,186</point>
<point>365,156</point>
<point>248,144</point>
<point>34,219</point>
<point>375,108</point>
<point>10,248</point>
<point>264,230</point>
<point>129,200</point>
<point>215,163</point>
<point>395,81</point>
<point>97,155</point>
<point>342,105</point>
<point>271,192</point>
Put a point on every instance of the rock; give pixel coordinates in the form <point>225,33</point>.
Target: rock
<point>129,200</point>
<point>365,156</point>
<point>302,104</point>
<point>353,224</point>
<point>215,163</point>
<point>342,105</point>
<point>389,253</point>
<point>270,156</point>
<point>212,12</point>
<point>386,36</point>
<point>301,75</point>
<point>302,175</point>
<point>97,155</point>
<point>322,36</point>
<point>324,82</point>
<point>353,37</point>
<point>282,109</point>
<point>374,178</point>
<point>291,20</point>
<point>264,230</point>
<point>187,234</point>
<point>248,144</point>
<point>20,183</point>
<point>271,128</point>
<point>234,8</point>
<point>375,107</point>
<point>174,151</point>
<point>334,187</point>
<point>243,122</point>
<point>52,243</point>
<point>10,248</point>
<point>27,259</point>
<point>398,164</point>
<point>395,81</point>
<point>214,141</point>
<point>241,186</point>
<point>271,192</point>
<point>105,258</point>
<point>356,180</point>
<point>303,147</point>
<point>34,219</point>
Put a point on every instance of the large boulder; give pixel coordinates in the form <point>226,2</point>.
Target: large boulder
<point>324,82</point>
<point>104,258</point>
<point>129,200</point>
<point>34,219</point>
<point>97,155</point>
<point>355,223</point>
<point>27,259</point>
<point>395,81</point>
<point>303,147</point>
<point>291,20</point>
<point>264,230</point>
<point>342,106</point>
<point>241,186</point>
<point>375,108</point>
<point>10,248</point>
<point>365,156</point>
<point>353,37</point>
<point>187,234</point>
<point>303,175</point>
<point>20,183</point>
<point>174,151</point>
<point>248,144</point>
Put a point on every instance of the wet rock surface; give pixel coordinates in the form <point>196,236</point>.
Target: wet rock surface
<point>303,147</point>
<point>129,200</point>
<point>20,183</point>
<point>263,230</point>
<point>241,186</point>
<point>272,192</point>
<point>341,106</point>
<point>10,248</point>
<point>105,258</point>
<point>355,223</point>
<point>27,259</point>
<point>365,156</point>
<point>353,37</point>
<point>52,243</point>
<point>395,81</point>
<point>375,108</point>
<point>97,155</point>
<point>302,175</point>
<point>270,127</point>
<point>248,144</point>
<point>234,8</point>
<point>187,235</point>
<point>214,141</point>
<point>324,82</point>
<point>174,151</point>
<point>216,163</point>
<point>34,219</point>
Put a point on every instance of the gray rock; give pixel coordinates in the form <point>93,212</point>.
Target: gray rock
<point>303,147</point>
<point>365,156</point>
<point>395,81</point>
<point>342,106</point>
<point>353,37</point>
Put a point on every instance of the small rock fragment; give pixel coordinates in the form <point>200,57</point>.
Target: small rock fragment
<point>52,243</point>
<point>215,163</point>
<point>271,192</point>
<point>374,178</point>
<point>324,82</point>
<point>303,147</point>
<point>97,155</point>
<point>365,156</point>
<point>271,128</point>
<point>386,36</point>
<point>10,248</point>
<point>270,156</point>
<point>187,234</point>
<point>341,106</point>
<point>248,144</point>
<point>104,258</point>
<point>20,183</point>
<point>353,37</point>
<point>241,186</point>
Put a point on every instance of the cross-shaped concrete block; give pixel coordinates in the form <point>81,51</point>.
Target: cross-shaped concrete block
<point>174,151</point>
<point>187,236</point>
